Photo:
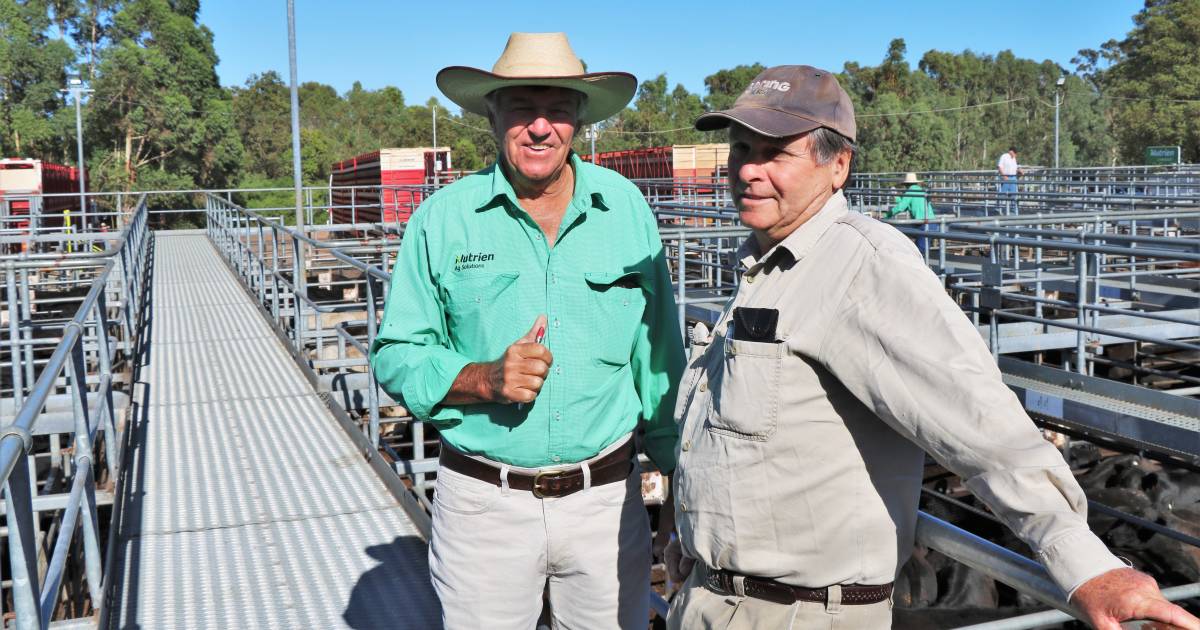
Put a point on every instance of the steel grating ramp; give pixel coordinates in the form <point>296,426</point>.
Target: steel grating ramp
<point>245,504</point>
<point>1150,420</point>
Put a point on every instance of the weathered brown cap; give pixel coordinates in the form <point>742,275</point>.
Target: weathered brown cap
<point>788,100</point>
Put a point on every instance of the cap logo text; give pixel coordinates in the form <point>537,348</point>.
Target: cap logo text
<point>761,87</point>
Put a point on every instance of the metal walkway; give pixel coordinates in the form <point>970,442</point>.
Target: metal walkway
<point>245,503</point>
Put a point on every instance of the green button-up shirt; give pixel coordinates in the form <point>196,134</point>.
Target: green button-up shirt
<point>473,273</point>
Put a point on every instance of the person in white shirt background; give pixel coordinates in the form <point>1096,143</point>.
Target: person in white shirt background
<point>1009,169</point>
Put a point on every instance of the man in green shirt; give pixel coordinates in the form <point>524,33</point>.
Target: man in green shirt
<point>531,319</point>
<point>914,202</point>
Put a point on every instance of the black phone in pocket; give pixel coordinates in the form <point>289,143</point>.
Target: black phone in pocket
<point>755,324</point>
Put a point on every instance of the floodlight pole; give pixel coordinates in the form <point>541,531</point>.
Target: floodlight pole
<point>1058,86</point>
<point>295,94</point>
<point>296,173</point>
<point>76,89</point>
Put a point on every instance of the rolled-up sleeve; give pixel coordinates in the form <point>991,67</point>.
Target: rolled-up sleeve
<point>903,204</point>
<point>658,359</point>
<point>906,351</point>
<point>410,356</point>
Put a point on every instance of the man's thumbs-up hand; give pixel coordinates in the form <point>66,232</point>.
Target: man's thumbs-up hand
<point>517,377</point>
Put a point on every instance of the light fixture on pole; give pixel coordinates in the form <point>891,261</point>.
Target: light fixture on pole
<point>75,88</point>
<point>1058,88</point>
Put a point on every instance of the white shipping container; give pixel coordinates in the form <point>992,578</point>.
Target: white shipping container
<point>406,159</point>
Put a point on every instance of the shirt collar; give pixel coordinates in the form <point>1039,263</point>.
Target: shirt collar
<point>584,196</point>
<point>801,240</point>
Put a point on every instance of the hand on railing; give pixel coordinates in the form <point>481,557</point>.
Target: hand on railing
<point>1128,594</point>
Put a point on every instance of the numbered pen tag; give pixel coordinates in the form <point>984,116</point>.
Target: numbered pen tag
<point>1044,404</point>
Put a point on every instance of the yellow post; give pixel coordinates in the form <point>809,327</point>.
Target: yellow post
<point>67,229</point>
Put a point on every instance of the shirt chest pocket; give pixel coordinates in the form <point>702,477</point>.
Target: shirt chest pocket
<point>470,300</point>
<point>617,301</point>
<point>745,389</point>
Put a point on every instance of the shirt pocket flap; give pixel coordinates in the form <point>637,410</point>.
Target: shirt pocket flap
<point>601,280</point>
<point>477,291</point>
<point>619,298</point>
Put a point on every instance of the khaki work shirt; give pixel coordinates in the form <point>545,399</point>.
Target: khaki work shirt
<point>801,460</point>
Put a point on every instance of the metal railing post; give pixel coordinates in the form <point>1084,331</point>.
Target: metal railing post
<point>1081,314</point>
<point>14,336</point>
<point>681,290</point>
<point>26,314</point>
<point>84,430</point>
<point>22,548</point>
<point>372,391</point>
<point>298,291</point>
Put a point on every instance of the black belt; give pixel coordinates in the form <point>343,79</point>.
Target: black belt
<point>553,483</point>
<point>722,582</point>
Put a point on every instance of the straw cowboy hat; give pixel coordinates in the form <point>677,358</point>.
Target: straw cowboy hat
<point>911,178</point>
<point>544,59</point>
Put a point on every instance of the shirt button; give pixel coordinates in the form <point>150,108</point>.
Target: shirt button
<point>556,323</point>
<point>750,279</point>
<point>555,458</point>
<point>687,444</point>
<point>682,506</point>
<point>704,386</point>
<point>558,415</point>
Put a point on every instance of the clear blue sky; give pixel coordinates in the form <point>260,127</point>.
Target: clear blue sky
<point>405,43</point>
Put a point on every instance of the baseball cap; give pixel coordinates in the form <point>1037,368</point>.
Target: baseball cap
<point>788,100</point>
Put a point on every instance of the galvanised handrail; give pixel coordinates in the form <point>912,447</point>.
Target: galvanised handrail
<point>35,595</point>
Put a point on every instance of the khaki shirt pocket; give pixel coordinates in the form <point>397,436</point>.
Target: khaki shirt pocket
<point>619,302</point>
<point>745,389</point>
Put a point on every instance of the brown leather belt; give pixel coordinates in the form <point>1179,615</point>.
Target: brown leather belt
<point>608,469</point>
<point>761,588</point>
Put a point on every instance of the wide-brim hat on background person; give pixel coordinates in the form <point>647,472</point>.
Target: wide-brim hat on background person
<point>911,178</point>
<point>543,59</point>
<point>786,101</point>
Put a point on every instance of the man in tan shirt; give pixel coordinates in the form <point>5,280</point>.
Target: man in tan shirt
<point>804,414</point>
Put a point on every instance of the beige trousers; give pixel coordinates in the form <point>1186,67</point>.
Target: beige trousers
<point>494,551</point>
<point>698,608</point>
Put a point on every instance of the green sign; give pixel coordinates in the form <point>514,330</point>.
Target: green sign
<point>1163,155</point>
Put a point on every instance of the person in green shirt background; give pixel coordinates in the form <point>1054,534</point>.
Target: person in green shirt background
<point>914,202</point>
<point>531,319</point>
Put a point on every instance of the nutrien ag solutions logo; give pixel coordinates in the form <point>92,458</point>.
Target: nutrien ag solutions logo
<point>463,262</point>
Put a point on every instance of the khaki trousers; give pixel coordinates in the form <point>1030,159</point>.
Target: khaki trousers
<point>493,552</point>
<point>698,608</point>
